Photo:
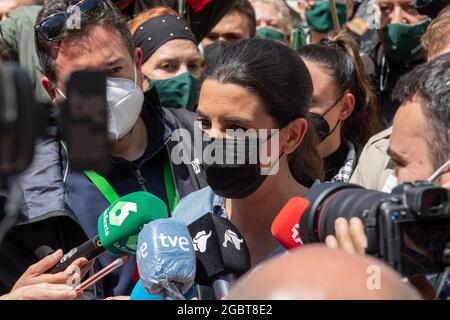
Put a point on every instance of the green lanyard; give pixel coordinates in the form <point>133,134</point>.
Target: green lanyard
<point>111,195</point>
<point>170,186</point>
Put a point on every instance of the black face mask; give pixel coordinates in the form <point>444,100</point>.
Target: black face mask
<point>235,181</point>
<point>321,125</point>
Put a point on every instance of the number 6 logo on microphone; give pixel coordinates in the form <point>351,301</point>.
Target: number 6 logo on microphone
<point>115,218</point>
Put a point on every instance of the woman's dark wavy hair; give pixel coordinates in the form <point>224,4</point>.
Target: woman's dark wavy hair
<point>340,55</point>
<point>274,73</point>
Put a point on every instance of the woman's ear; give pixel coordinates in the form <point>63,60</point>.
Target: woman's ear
<point>348,106</point>
<point>294,132</point>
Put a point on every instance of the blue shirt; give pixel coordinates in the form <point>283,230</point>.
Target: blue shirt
<point>199,203</point>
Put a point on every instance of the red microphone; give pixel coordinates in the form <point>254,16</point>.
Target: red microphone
<point>286,226</point>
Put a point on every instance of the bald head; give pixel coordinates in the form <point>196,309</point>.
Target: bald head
<point>315,272</point>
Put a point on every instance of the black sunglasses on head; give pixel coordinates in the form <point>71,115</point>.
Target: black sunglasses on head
<point>51,27</point>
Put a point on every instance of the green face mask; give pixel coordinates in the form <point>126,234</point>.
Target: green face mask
<point>270,34</point>
<point>319,16</point>
<point>402,41</point>
<point>178,92</point>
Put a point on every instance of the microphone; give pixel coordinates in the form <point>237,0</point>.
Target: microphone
<point>166,258</point>
<point>286,226</point>
<point>42,251</point>
<point>222,253</point>
<point>118,228</point>
<point>139,293</point>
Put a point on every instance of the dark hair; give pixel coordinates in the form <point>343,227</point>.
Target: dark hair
<point>340,55</point>
<point>273,72</point>
<point>103,17</point>
<point>431,83</point>
<point>6,53</point>
<point>245,8</point>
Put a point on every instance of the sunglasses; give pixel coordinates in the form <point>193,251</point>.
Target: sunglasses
<point>51,27</point>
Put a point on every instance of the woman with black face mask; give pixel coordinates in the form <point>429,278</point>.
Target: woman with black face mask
<point>252,86</point>
<point>343,110</point>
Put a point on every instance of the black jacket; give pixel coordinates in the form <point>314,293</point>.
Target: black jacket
<point>48,222</point>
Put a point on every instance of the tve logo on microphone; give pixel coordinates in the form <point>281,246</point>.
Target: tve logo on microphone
<point>174,241</point>
<point>166,241</point>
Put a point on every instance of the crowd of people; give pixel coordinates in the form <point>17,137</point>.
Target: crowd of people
<point>351,101</point>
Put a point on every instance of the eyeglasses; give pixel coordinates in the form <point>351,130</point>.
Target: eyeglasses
<point>51,27</point>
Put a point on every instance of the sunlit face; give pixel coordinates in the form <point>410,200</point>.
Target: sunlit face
<point>326,94</point>
<point>325,91</point>
<point>399,11</point>
<point>225,107</point>
<point>173,58</point>
<point>102,49</point>
<point>267,16</point>
<point>233,27</point>
<point>228,106</point>
<point>409,148</point>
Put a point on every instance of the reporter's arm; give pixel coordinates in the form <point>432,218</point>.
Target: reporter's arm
<point>42,291</point>
<point>35,274</point>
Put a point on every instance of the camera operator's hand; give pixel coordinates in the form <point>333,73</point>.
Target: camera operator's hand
<point>35,273</point>
<point>350,236</point>
<point>43,291</point>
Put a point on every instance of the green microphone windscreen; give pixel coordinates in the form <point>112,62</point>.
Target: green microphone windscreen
<point>120,224</point>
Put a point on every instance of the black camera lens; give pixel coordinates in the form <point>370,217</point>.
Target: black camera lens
<point>413,220</point>
<point>330,201</point>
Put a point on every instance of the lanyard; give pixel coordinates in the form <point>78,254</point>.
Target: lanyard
<point>111,195</point>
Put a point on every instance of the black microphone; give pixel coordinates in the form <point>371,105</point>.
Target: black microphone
<point>42,251</point>
<point>89,250</point>
<point>221,252</point>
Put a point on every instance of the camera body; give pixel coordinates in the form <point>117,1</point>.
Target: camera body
<point>81,121</point>
<point>393,222</point>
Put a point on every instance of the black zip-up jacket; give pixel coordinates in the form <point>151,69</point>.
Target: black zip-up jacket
<point>49,221</point>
